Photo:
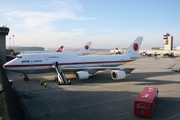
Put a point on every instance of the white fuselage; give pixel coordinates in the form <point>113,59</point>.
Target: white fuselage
<point>43,62</point>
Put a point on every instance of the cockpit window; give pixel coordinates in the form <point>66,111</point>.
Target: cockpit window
<point>19,56</point>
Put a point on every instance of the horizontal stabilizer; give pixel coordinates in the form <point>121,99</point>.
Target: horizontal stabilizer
<point>172,66</point>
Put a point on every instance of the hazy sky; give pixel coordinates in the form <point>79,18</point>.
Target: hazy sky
<point>107,23</point>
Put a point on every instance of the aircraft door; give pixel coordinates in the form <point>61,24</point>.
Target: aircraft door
<point>32,65</point>
<point>46,57</point>
<point>102,62</point>
<point>84,63</point>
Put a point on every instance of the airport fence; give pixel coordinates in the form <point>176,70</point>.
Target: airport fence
<point>10,107</point>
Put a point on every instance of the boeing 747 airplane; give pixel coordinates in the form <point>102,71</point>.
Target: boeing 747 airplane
<point>60,49</point>
<point>83,51</point>
<point>82,66</point>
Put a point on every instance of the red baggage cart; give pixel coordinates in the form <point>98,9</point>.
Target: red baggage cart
<point>145,102</point>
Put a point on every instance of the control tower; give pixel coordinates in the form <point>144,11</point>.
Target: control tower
<point>3,32</point>
<point>168,41</point>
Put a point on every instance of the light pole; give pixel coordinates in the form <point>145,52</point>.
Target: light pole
<point>13,41</point>
<point>9,42</point>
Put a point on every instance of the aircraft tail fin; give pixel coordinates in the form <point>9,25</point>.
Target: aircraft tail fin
<point>85,49</point>
<point>134,48</point>
<point>60,49</point>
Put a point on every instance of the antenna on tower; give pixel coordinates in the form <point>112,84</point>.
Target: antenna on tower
<point>5,24</point>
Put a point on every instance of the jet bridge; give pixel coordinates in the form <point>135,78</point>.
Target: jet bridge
<point>61,78</point>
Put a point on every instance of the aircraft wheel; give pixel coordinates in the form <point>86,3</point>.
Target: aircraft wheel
<point>56,79</point>
<point>26,78</point>
<point>58,82</point>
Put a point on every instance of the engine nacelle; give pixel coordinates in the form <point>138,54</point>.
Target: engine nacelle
<point>82,75</point>
<point>117,74</point>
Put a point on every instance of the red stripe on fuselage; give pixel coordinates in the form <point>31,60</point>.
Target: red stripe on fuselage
<point>73,63</point>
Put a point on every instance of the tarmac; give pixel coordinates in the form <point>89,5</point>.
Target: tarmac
<point>99,97</point>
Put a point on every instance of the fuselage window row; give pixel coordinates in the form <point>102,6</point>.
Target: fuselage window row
<point>25,61</point>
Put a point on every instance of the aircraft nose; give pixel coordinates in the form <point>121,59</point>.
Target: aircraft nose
<point>5,66</point>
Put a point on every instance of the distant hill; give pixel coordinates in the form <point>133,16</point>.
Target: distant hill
<point>27,48</point>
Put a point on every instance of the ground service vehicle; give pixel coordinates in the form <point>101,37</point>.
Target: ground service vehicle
<point>145,102</point>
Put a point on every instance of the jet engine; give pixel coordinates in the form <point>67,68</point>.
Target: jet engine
<point>117,74</point>
<point>82,75</point>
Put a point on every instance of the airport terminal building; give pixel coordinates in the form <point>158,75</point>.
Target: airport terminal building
<point>167,51</point>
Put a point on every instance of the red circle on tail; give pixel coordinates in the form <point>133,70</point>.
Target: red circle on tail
<point>135,46</point>
<point>86,47</point>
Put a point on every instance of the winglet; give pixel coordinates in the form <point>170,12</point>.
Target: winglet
<point>172,66</point>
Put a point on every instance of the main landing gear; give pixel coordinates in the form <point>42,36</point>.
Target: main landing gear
<point>26,78</point>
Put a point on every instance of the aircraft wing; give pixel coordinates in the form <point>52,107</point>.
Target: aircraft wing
<point>93,70</point>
